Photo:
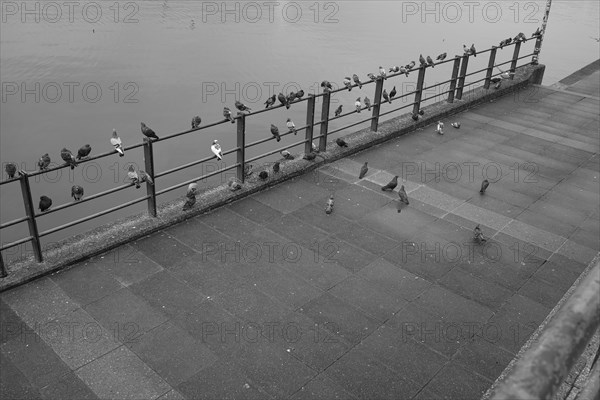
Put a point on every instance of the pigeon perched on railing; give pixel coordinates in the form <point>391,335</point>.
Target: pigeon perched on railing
<point>283,100</point>
<point>45,203</point>
<point>357,105</point>
<point>291,97</point>
<point>357,81</point>
<point>138,177</point>
<point>391,185</point>
<point>227,114</point>
<point>44,162</point>
<point>392,93</point>
<point>363,170</point>
<point>338,111</point>
<point>242,107</point>
<point>270,101</point>
<point>77,192</point>
<point>84,151</point>
<point>68,157</point>
<point>300,94</point>
<point>472,50</point>
<point>348,83</point>
<point>275,132</point>
<point>286,154</point>
<point>404,70</point>
<point>538,32</point>
<point>367,103</point>
<point>372,76</point>
<point>430,62</point>
<point>382,72</point>
<point>441,57</point>
<point>115,140</point>
<point>411,65</point>
<point>326,85</point>
<point>149,133</point>
<point>196,121</point>
<point>422,61</point>
<point>394,69</point>
<point>291,126</point>
<point>386,96</point>
<point>216,149</point>
<point>11,169</point>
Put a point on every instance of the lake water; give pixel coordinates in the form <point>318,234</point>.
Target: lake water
<point>72,73</point>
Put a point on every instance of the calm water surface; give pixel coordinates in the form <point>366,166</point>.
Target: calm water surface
<point>162,62</point>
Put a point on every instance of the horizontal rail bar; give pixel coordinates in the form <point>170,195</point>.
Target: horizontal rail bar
<point>540,370</point>
<point>89,217</point>
<point>16,243</point>
<point>177,186</point>
<point>350,126</point>
<point>258,157</point>
<point>13,222</point>
<point>397,109</point>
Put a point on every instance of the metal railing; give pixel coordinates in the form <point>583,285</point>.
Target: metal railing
<point>457,84</point>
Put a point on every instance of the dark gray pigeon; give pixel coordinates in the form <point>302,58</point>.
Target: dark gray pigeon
<point>45,203</point>
<point>11,169</point>
<point>392,185</point>
<point>77,192</point>
<point>44,162</point>
<point>149,133</point>
<point>363,171</point>
<point>68,157</point>
<point>341,142</point>
<point>84,151</point>
<point>484,186</point>
<point>275,132</point>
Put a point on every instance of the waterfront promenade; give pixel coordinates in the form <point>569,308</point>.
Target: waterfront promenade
<point>269,297</point>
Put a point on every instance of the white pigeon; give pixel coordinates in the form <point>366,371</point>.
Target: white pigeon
<point>440,128</point>
<point>291,126</point>
<point>192,188</point>
<point>216,149</point>
<point>358,105</point>
<point>115,140</point>
<point>133,176</point>
<point>382,72</point>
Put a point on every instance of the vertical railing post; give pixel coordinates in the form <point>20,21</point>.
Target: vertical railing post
<point>241,145</point>
<point>453,79</point>
<point>30,212</point>
<point>310,123</point>
<point>3,271</point>
<point>149,166</point>
<point>419,91</point>
<point>513,64</point>
<point>324,121</point>
<point>490,68</point>
<point>462,75</point>
<point>377,104</point>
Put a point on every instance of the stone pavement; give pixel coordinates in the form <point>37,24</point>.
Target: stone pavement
<point>269,297</point>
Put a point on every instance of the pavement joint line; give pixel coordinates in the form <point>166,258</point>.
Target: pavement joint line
<point>562,89</point>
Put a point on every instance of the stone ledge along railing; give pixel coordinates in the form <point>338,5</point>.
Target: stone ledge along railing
<point>457,84</point>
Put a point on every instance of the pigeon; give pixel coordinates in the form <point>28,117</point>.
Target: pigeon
<point>286,154</point>
<point>484,186</point>
<point>430,62</point>
<point>300,94</point>
<point>241,106</point>
<point>358,105</point>
<point>393,93</point>
<point>348,83</point>
<point>45,203</point>
<point>11,169</point>
<point>441,57</point>
<point>382,72</point>
<point>68,157</point>
<point>363,171</point>
<point>440,128</point>
<point>234,185</point>
<point>315,148</point>
<point>270,101</point>
<point>191,200</point>
<point>144,177</point>
<point>291,126</point>
<point>84,151</point>
<point>192,188</point>
<point>503,43</point>
<point>341,142</point>
<point>310,156</point>
<point>216,149</point>
<point>386,96</point>
<point>538,32</point>
<point>394,69</point>
<point>372,76</point>
<point>326,85</point>
<point>367,103</point>
<point>275,132</point>
<point>495,79</point>
<point>196,122</point>
<point>392,185</point>
<point>455,125</point>
<point>517,39</point>
<point>478,235</point>
<point>263,175</point>
<point>276,167</point>
<point>283,100</point>
<point>133,176</point>
<point>77,192</point>
<point>522,36</point>
<point>472,50</point>
<point>149,133</point>
<point>421,112</point>
<point>227,114</point>
<point>291,97</point>
<point>357,81</point>
<point>338,111</point>
<point>411,65</point>
<point>404,70</point>
<point>329,207</point>
<point>422,61</point>
<point>415,117</point>
<point>247,169</point>
<point>44,162</point>
<point>403,196</point>
<point>115,140</point>
<point>497,85</point>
